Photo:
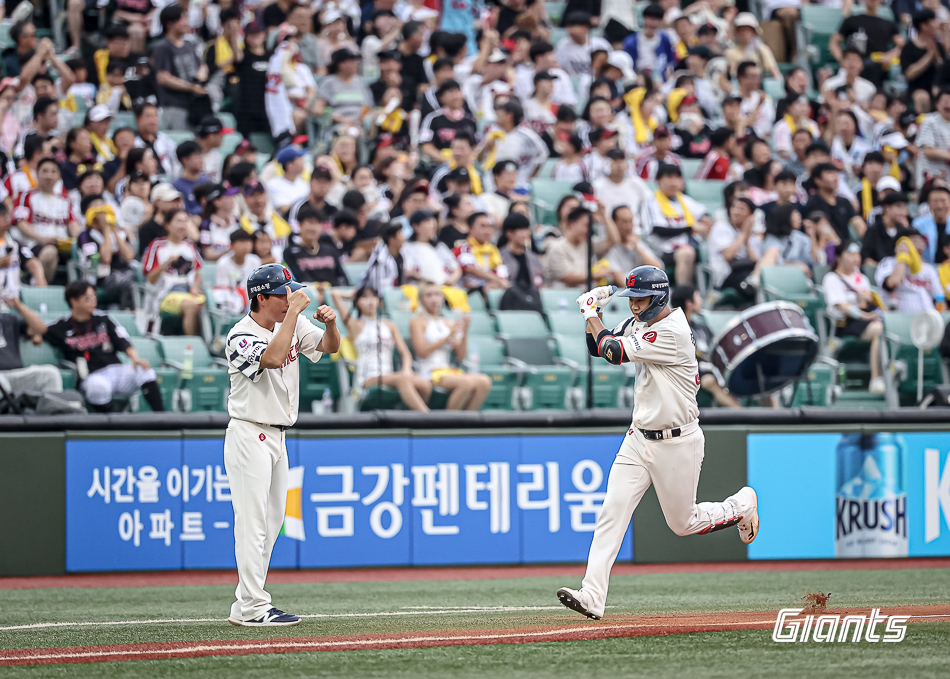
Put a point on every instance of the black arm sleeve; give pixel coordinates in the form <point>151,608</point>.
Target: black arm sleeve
<point>118,335</point>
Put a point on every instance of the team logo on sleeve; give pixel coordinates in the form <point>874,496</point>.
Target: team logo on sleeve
<point>262,437</point>
<point>649,336</point>
<point>697,379</point>
<point>242,344</point>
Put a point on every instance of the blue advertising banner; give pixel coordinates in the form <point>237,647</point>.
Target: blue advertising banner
<point>851,495</point>
<point>165,504</point>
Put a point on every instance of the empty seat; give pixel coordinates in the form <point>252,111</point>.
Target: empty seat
<point>521,324</point>
<point>48,300</point>
<point>553,299</point>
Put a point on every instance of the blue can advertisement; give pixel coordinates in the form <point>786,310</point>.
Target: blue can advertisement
<point>389,501</point>
<point>867,495</point>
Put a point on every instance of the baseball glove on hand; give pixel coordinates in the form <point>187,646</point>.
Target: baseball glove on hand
<point>601,296</point>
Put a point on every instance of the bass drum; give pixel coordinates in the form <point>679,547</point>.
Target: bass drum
<point>764,348</point>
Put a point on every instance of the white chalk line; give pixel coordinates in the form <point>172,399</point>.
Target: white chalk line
<point>413,610</point>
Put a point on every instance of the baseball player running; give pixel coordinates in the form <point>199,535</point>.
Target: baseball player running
<point>665,445</point>
<point>262,352</point>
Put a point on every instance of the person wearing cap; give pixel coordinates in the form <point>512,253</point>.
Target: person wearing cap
<point>259,216</point>
<point>749,46</point>
<point>229,293</point>
<point>511,139</point>
<point>179,73</point>
<point>98,122</point>
<point>673,224</point>
<point>621,187</point>
<point>344,91</point>
<point>192,164</point>
<point>651,48</point>
<point>796,117</point>
<point>163,198</point>
<point>935,227</point>
<point>439,127</point>
<point>691,129</point>
<point>487,84</point>
<point>573,50</point>
<point>909,284</point>
<point>290,187</point>
<point>217,221</point>
<point>542,57</point>
<point>887,224</point>
<point>105,253</point>
<point>209,135</point>
<point>851,302</point>
<point>659,153</point>
<point>756,105</point>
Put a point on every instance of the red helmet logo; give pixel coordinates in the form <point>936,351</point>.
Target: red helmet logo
<point>631,280</point>
<point>287,274</point>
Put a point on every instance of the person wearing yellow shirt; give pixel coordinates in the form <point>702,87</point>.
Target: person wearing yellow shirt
<point>480,259</point>
<point>674,223</point>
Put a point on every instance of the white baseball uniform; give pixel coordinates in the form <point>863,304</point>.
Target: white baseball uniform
<point>262,404</point>
<point>667,379</point>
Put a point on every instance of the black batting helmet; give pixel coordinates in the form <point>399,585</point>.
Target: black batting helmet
<point>271,279</point>
<point>648,281</point>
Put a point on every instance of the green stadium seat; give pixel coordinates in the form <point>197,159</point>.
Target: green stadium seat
<point>229,143</point>
<point>127,320</point>
<point>708,192</point>
<point>817,386</point>
<point>401,319</point>
<point>354,271</point>
<point>790,283</point>
<point>494,298</point>
<point>179,136</point>
<point>150,349</point>
<point>690,166</point>
<point>48,300</point>
<point>560,299</point>
<point>481,324</point>
<point>898,347</point>
<point>209,384</point>
<point>521,324</point>
<point>546,194</point>
<point>717,320</point>
<point>773,87</point>
<point>609,380</point>
<point>491,354</point>
<point>263,142</point>
<point>38,354</point>
<point>567,323</point>
<point>821,19</point>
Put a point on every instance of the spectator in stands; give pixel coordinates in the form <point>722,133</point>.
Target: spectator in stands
<point>263,248</point>
<point>525,269</point>
<point>192,164</point>
<point>630,250</point>
<point>367,230</point>
<point>78,149</point>
<point>149,136</point>
<point>453,229</point>
<point>413,68</point>
<point>25,324</point>
<point>784,237</point>
<point>251,69</point>
<point>180,75</point>
<point>481,262</point>
<point>45,119</point>
<point>16,260</point>
<point>439,127</point>
<point>321,183</point>
<point>872,169</point>
<point>385,268</point>
<point>232,272</point>
<point>92,340</point>
<point>854,306</point>
<point>717,164</point>
<point>933,142</point>
<point>801,141</point>
<point>673,222</point>
<point>543,58</point>
<point>123,141</point>
<point>333,36</point>
<point>172,268</point>
<point>660,153</point>
<point>796,117</point>
<point>755,105</point>
<point>786,191</point>
<point>913,285</point>
<point>218,221</point>
<point>749,46</point>
<point>374,341</point>
<point>426,258</point>
<point>877,39</point>
<point>921,58</point>
<point>620,187</point>
<point>847,148</point>
<point>10,129</point>
<point>344,91</point>
<point>573,50</point>
<point>505,179</point>
<point>106,254</point>
<point>164,198</point>
<point>137,160</point>
<point>567,259</point>
<point>687,298</point>
<point>602,141</point>
<point>301,17</point>
<point>511,139</point>
<point>45,219</point>
<point>462,149</point>
<point>570,165</point>
<point>209,133</point>
<point>840,211</point>
<point>435,339</point>
<point>135,205</point>
<point>289,188</point>
<point>849,75</point>
<point>935,227</point>
<point>651,49</point>
<point>316,256</point>
<point>882,236</point>
<point>260,216</point>
<point>540,112</point>
<point>733,257</point>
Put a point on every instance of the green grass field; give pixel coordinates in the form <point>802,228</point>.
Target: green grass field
<point>396,607</point>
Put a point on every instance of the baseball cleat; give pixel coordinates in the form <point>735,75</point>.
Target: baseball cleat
<point>273,618</point>
<point>749,524</point>
<point>572,599</point>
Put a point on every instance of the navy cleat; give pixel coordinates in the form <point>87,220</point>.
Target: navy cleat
<point>273,618</point>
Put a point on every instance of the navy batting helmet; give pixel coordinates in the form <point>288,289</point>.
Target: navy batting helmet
<point>271,279</point>
<point>648,281</point>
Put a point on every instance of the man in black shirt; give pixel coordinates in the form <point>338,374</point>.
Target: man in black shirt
<point>882,235</point>
<point>440,127</point>
<point>839,210</point>
<point>390,75</point>
<point>321,181</point>
<point>14,377</point>
<point>921,58</point>
<point>314,257</point>
<point>367,234</point>
<point>524,266</point>
<point>276,13</point>
<point>178,70</point>
<point>413,65</point>
<point>92,340</point>
<point>876,38</point>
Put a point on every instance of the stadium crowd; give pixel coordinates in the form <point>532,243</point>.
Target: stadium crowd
<point>453,151</point>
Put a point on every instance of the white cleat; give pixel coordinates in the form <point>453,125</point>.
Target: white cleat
<point>749,524</point>
<point>576,600</point>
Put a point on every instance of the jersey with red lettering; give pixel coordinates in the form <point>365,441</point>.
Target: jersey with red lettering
<point>267,396</point>
<point>49,214</point>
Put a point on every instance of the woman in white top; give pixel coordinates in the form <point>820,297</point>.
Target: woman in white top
<point>427,259</point>
<point>849,300</point>
<point>374,341</point>
<point>434,339</point>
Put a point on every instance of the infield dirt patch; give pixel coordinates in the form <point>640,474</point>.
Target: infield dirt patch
<point>573,628</point>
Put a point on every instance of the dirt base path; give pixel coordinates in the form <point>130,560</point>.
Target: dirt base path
<point>572,629</point>
<point>229,577</point>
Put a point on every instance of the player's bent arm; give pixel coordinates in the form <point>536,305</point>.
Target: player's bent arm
<point>278,348</point>
<point>330,342</point>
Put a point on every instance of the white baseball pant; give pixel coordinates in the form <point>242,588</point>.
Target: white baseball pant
<point>255,457</point>
<point>119,378</point>
<point>672,466</point>
<point>32,378</point>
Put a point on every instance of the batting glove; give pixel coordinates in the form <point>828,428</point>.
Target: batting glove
<point>604,293</point>
<point>588,304</point>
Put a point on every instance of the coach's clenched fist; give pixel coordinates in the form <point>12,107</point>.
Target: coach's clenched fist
<point>325,314</point>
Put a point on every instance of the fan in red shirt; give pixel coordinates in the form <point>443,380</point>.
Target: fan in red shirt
<point>658,154</point>
<point>717,162</point>
<point>46,220</point>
